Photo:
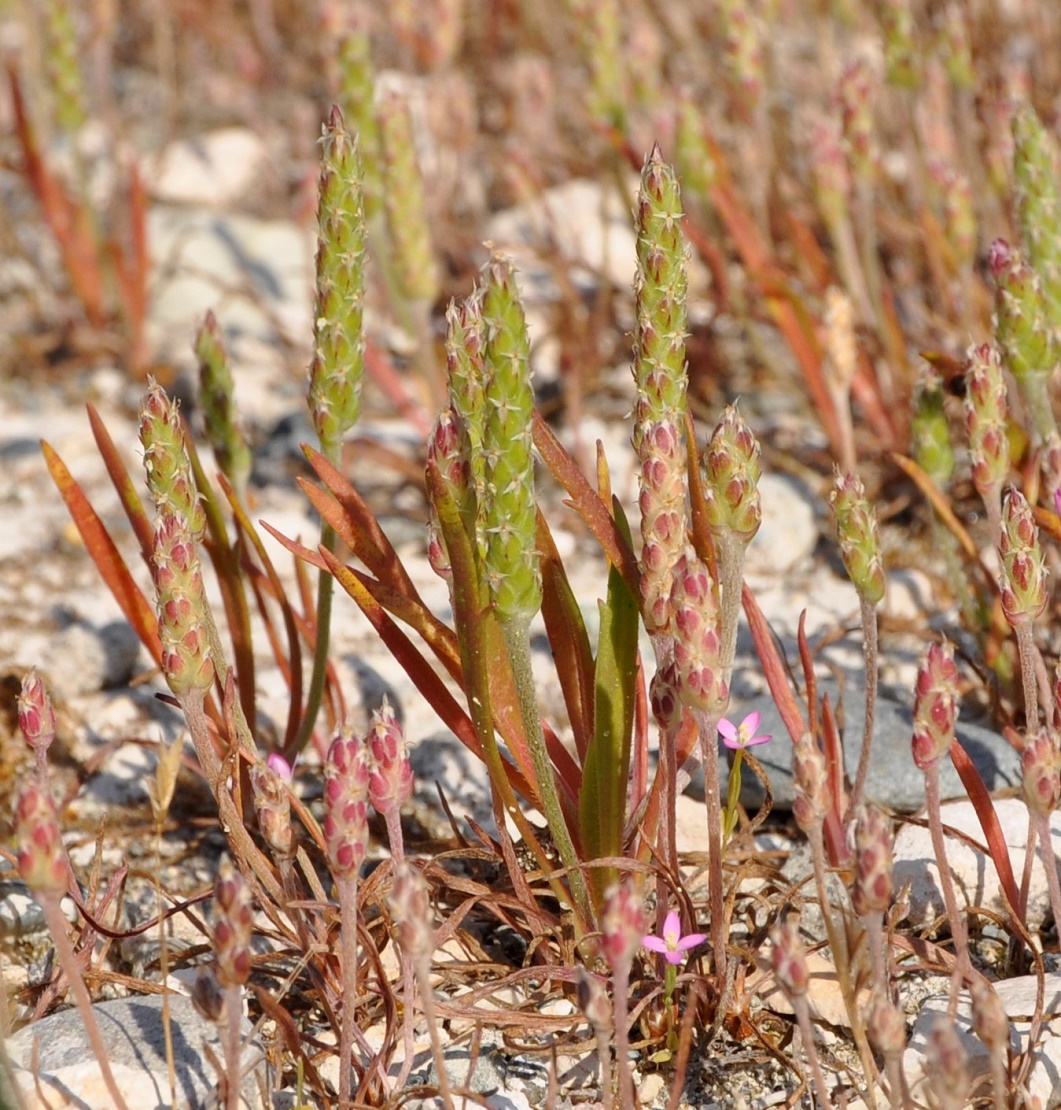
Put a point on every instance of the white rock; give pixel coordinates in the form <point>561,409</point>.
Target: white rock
<point>132,1032</point>
<point>976,880</point>
<point>1018,1000</point>
<point>255,274</point>
<point>215,170</point>
<point>587,223</point>
<point>789,532</point>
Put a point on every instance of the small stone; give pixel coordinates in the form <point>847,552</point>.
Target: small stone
<point>215,170</point>
<point>83,659</point>
<point>133,1034</point>
<point>975,878</point>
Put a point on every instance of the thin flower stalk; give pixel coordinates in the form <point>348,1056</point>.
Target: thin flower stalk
<point>337,365</point>
<point>887,1031</point>
<point>1040,762</point>
<point>991,1025</point>
<point>935,717</point>
<point>789,962</point>
<point>346,775</point>
<point>1022,584</point>
<point>411,909</point>
<point>859,540</point>
<point>593,1002</point>
<point>809,807</point>
<point>233,920</point>
<point>737,738</point>
<point>622,930</point>
<point>44,868</point>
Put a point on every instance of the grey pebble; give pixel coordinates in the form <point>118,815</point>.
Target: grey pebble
<point>133,1033</point>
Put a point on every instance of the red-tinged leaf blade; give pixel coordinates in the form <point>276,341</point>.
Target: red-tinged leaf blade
<point>123,485</point>
<point>568,640</point>
<point>985,812</point>
<point>939,502</point>
<point>773,667</point>
<point>291,665</point>
<point>355,523</point>
<point>586,502</point>
<point>226,563</point>
<point>417,668</point>
<point>138,611</point>
<point>442,640</point>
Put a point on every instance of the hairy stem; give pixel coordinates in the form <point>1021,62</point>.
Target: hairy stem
<point>869,650</point>
<point>64,950</point>
<point>517,640</point>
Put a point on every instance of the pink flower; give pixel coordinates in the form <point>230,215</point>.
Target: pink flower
<point>280,765</point>
<point>672,944</point>
<point>743,735</point>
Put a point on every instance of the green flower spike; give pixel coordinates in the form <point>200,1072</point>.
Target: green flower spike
<point>182,613</point>
<point>902,62</point>
<point>933,451</point>
<point>985,412</point>
<point>415,270</point>
<point>465,379</point>
<point>216,395</point>
<point>63,56</point>
<point>509,523</point>
<point>599,32</point>
<point>661,379</point>
<point>169,473</point>
<point>338,343</point>
<point>1037,169</point>
<point>858,536</point>
<point>1024,332</point>
<point>356,99</point>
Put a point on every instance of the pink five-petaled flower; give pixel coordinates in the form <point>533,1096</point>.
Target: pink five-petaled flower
<point>672,945</point>
<point>743,735</point>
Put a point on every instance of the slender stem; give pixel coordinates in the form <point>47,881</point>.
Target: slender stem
<point>878,959</point>
<point>799,1004</point>
<point>53,915</point>
<point>708,725</point>
<point>427,1000</point>
<point>348,940</point>
<point>869,651</point>
<point>838,947</point>
<point>408,1014</point>
<point>163,966</point>
<point>627,1096</point>
<point>325,589</point>
<point>1046,853</point>
<point>957,921</point>
<point>1027,651</point>
<point>233,1013</point>
<point>517,640</point>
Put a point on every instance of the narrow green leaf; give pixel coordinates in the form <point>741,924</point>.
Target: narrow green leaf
<point>602,805</point>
